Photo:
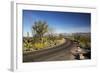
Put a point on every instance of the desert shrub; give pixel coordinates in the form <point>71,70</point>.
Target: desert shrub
<point>39,45</point>
<point>85,42</point>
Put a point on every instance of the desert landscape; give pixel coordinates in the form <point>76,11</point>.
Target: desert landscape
<point>56,36</point>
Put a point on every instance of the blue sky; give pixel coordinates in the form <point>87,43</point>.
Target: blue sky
<point>61,22</point>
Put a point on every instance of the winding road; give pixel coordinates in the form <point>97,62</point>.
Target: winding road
<point>57,53</point>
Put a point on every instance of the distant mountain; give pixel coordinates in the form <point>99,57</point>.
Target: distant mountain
<point>78,33</point>
<point>83,34</point>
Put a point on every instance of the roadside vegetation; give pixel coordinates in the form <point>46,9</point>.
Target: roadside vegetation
<point>84,41</point>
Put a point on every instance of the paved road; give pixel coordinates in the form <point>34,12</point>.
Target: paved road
<point>62,52</point>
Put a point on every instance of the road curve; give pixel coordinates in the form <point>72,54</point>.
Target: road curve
<point>61,52</point>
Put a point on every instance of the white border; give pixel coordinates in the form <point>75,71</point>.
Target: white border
<point>17,37</point>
